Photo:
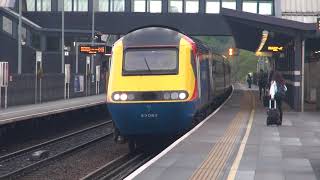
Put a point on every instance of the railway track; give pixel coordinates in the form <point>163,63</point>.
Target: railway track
<point>120,167</point>
<point>21,162</point>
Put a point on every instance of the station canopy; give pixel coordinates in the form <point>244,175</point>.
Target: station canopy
<point>248,30</point>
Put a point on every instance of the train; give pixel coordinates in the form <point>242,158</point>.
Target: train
<point>161,81</point>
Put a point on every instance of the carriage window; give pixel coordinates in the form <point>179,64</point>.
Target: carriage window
<point>150,61</point>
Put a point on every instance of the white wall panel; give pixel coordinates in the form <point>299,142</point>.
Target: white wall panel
<point>305,19</point>
<point>300,10</point>
<point>300,5</point>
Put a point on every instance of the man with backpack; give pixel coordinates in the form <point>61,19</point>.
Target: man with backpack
<point>277,92</point>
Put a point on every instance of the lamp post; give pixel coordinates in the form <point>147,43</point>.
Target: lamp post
<point>62,38</point>
<point>19,38</point>
<point>92,43</point>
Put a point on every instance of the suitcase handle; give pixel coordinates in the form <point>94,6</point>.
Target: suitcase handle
<point>275,104</point>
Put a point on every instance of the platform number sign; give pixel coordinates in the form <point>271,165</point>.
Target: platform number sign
<point>4,74</point>
<point>318,24</point>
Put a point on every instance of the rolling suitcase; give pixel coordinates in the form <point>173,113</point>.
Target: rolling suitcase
<point>273,114</point>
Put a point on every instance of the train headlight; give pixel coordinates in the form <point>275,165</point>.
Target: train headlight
<point>182,95</point>
<point>123,96</point>
<point>174,95</point>
<point>116,97</point>
<point>166,96</point>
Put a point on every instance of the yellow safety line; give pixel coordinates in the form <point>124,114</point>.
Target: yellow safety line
<point>218,155</point>
<point>236,162</point>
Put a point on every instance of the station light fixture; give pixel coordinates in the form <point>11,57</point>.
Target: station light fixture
<point>233,52</point>
<point>263,40</point>
<point>230,52</point>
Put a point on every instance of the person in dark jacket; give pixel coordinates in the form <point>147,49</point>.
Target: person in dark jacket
<point>249,80</point>
<point>262,83</point>
<point>277,90</point>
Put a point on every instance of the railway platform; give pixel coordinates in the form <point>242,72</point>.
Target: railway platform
<point>235,143</point>
<point>20,113</point>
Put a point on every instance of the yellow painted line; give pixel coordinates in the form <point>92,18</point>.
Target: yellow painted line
<point>211,168</point>
<point>219,154</point>
<point>236,162</point>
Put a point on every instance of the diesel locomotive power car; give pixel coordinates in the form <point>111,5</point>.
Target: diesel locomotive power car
<point>160,79</point>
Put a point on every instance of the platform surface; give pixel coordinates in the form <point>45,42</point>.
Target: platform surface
<point>235,143</point>
<point>19,113</point>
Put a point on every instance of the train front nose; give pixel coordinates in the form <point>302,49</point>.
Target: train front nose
<point>152,118</point>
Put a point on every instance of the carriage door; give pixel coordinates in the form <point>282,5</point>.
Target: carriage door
<point>211,80</point>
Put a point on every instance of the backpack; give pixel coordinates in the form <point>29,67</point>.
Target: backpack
<point>281,91</point>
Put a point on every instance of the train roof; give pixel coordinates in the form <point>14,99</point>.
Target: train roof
<point>154,36</point>
<point>161,36</point>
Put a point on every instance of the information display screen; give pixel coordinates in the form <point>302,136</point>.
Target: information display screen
<point>92,49</point>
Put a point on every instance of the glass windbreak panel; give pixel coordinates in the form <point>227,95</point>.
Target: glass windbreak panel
<point>150,61</point>
<point>101,5</point>
<point>154,6</point>
<point>250,6</point>
<point>67,5</point>
<point>117,5</point>
<point>7,25</point>
<point>31,4</point>
<point>139,6</point>
<point>192,6</point>
<point>212,6</point>
<point>80,5</point>
<point>229,4</point>
<point>46,5</point>
<point>175,6</point>
<point>266,7</point>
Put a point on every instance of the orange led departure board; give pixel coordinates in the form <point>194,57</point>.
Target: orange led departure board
<point>92,49</point>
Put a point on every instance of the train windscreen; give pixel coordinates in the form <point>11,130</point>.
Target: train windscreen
<point>160,61</point>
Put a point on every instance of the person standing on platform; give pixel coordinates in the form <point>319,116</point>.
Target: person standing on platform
<point>249,80</point>
<point>278,91</point>
<point>262,83</point>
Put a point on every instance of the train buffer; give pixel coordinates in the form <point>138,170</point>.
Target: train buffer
<point>235,143</point>
<point>24,112</point>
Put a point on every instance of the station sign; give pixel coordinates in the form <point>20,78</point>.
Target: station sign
<point>38,56</point>
<point>92,49</point>
<point>67,74</point>
<point>275,48</point>
<point>4,74</point>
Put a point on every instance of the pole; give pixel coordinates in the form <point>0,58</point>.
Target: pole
<point>5,97</point>
<point>302,75</point>
<point>77,58</point>
<point>62,47</point>
<point>36,84</point>
<point>40,90</point>
<point>62,38</point>
<point>92,42</point>
<point>19,38</point>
